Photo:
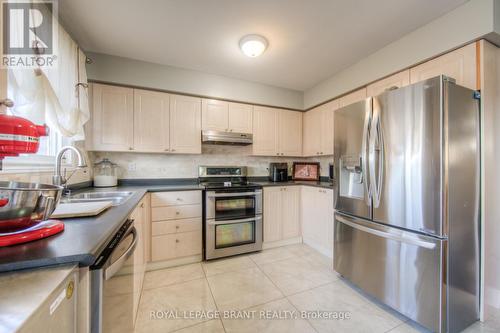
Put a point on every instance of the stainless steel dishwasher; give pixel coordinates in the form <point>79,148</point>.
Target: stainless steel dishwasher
<point>116,282</point>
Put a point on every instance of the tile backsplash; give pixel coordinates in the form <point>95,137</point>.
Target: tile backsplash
<point>143,165</point>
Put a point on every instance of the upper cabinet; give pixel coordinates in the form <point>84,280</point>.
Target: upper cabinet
<point>277,132</point>
<point>185,124</point>
<point>125,119</point>
<point>318,130</point>
<point>353,97</point>
<point>397,80</point>
<point>226,116</point>
<point>112,118</point>
<point>459,65</point>
<point>151,121</point>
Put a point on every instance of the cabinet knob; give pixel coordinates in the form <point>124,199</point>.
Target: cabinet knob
<point>321,153</point>
<point>172,149</point>
<point>230,130</point>
<point>167,149</point>
<point>177,241</point>
<point>178,199</point>
<point>177,213</point>
<point>317,153</point>
<point>176,227</point>
<point>142,205</point>
<point>278,154</point>
<point>130,148</point>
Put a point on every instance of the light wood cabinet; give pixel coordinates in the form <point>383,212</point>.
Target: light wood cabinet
<point>281,213</point>
<point>125,119</point>
<point>240,118</point>
<point>277,132</point>
<point>151,121</point>
<point>214,115</point>
<point>289,133</point>
<point>397,80</point>
<point>226,116</point>
<point>185,124</point>
<point>112,118</point>
<point>265,135</point>
<point>317,218</point>
<point>353,97</point>
<point>176,227</point>
<point>318,130</point>
<point>459,65</point>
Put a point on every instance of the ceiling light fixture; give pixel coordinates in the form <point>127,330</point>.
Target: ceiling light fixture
<point>253,45</point>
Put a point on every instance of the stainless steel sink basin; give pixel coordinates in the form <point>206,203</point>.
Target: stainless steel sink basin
<point>117,197</point>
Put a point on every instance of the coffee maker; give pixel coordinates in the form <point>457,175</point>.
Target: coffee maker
<point>278,172</point>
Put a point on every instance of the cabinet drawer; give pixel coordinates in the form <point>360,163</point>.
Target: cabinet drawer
<point>175,198</point>
<point>175,212</point>
<point>172,246</point>
<point>175,226</point>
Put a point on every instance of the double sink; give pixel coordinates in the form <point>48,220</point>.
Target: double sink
<point>116,197</point>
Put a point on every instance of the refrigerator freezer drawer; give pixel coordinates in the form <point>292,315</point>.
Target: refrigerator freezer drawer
<point>400,268</point>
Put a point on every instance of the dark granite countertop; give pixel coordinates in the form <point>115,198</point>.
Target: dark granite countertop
<point>85,237</point>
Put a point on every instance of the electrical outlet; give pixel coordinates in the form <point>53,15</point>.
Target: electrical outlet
<point>132,167</point>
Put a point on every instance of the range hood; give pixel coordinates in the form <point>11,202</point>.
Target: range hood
<point>226,138</point>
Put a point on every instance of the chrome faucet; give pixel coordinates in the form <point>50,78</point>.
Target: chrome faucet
<point>58,178</point>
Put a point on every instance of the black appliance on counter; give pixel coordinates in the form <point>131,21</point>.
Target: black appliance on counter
<point>232,212</point>
<point>278,172</point>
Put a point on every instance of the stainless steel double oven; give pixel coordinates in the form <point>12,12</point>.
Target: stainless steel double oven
<point>232,212</point>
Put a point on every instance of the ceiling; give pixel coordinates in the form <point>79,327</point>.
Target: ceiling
<point>309,40</point>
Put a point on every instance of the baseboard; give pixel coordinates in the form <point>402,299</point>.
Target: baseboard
<point>155,265</point>
<point>284,242</point>
<point>324,251</point>
<point>492,297</point>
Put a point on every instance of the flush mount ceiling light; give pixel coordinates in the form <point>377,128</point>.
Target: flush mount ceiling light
<point>253,45</point>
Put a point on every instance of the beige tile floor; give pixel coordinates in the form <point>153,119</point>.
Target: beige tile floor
<point>277,282</point>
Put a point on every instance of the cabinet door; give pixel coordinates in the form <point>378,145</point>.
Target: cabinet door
<point>353,97</point>
<point>291,212</point>
<point>290,133</point>
<point>312,132</point>
<point>113,118</point>
<point>273,203</point>
<point>240,118</point>
<point>265,134</point>
<point>185,124</point>
<point>397,80</point>
<point>309,214</point>
<point>214,115</point>
<point>327,122</point>
<point>325,226</point>
<point>151,121</point>
<point>459,64</point>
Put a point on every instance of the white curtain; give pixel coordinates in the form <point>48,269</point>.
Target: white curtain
<point>57,96</point>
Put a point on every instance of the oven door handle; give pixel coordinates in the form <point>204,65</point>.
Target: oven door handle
<point>232,194</point>
<point>118,264</point>
<point>251,219</point>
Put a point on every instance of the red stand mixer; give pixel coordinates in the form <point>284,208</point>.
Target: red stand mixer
<point>25,208</point>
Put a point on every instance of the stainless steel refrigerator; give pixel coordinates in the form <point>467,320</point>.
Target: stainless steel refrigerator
<point>407,168</point>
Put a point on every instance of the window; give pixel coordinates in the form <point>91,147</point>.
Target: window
<point>49,145</point>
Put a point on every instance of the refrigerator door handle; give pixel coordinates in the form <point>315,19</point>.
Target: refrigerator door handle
<point>403,237</point>
<point>364,156</point>
<point>376,155</point>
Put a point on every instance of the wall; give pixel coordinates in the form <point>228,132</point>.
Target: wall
<point>466,23</point>
<point>490,84</point>
<point>186,166</point>
<point>148,75</point>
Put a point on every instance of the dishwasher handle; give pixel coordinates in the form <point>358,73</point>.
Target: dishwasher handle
<point>112,269</point>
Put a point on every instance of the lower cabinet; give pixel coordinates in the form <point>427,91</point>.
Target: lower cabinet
<point>176,225</point>
<point>317,219</point>
<point>281,213</point>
